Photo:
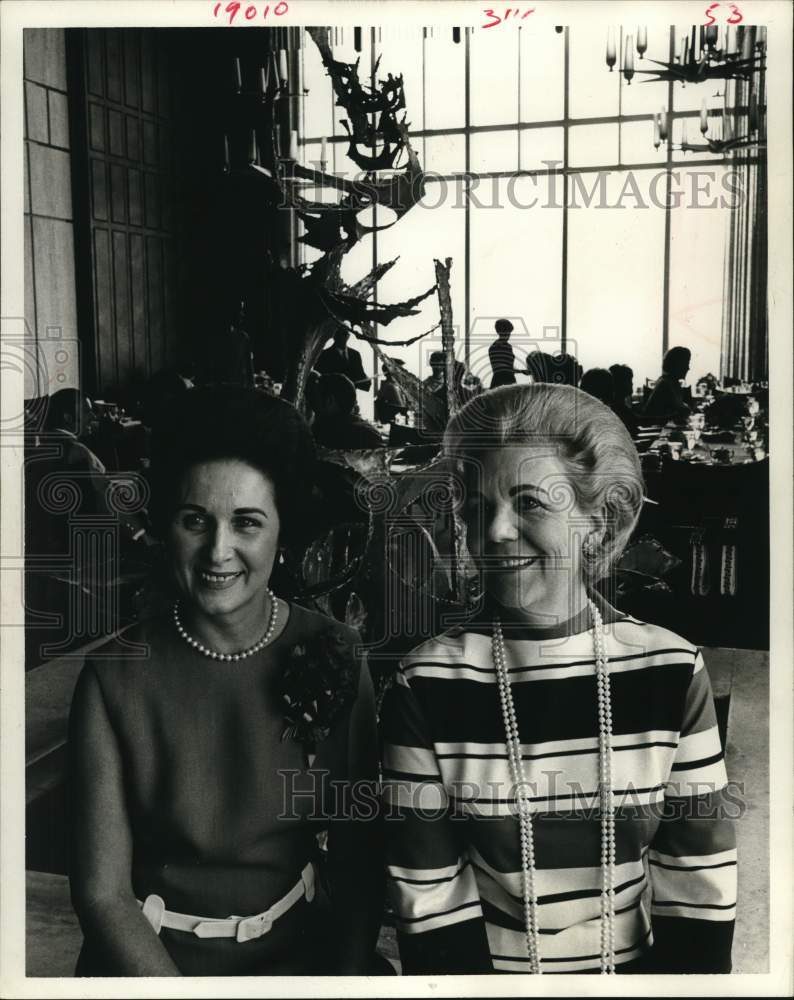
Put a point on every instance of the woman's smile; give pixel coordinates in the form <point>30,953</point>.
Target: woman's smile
<point>508,564</point>
<point>525,530</point>
<point>218,581</point>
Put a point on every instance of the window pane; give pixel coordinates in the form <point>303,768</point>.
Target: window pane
<point>515,267</point>
<point>494,151</point>
<point>594,90</point>
<point>540,147</point>
<point>498,151</point>
<point>593,145</point>
<point>698,233</point>
<point>615,274</point>
<point>445,81</point>
<point>542,74</point>
<point>494,77</point>
<point>636,144</point>
<point>318,103</point>
<point>443,154</point>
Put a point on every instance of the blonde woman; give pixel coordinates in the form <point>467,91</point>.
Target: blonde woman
<point>554,783</point>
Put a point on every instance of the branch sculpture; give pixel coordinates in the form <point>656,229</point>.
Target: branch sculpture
<point>314,297</point>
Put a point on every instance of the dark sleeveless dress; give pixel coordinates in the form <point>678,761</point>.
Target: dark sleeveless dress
<point>224,813</point>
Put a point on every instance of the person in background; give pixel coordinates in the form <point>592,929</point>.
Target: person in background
<point>465,383</point>
<point>389,400</point>
<point>569,369</point>
<point>336,424</point>
<point>69,424</point>
<point>623,384</point>
<point>597,382</point>
<point>71,421</point>
<point>233,360</point>
<point>64,479</point>
<point>435,384</point>
<point>435,381</point>
<point>339,359</point>
<point>57,455</point>
<point>556,369</point>
<point>666,400</point>
<point>501,355</point>
<point>539,366</point>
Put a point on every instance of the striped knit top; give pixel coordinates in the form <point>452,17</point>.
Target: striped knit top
<point>452,827</point>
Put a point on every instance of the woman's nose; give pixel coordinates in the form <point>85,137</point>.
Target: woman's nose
<point>501,524</point>
<point>220,544</point>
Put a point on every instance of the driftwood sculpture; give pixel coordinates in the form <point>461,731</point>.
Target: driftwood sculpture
<point>315,299</point>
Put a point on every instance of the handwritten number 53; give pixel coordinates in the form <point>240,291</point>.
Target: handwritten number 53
<point>736,16</point>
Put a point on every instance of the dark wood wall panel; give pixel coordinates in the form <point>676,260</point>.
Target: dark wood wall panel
<point>132,72</point>
<point>121,286</point>
<point>156,287</point>
<point>128,93</point>
<point>106,353</point>
<point>138,301</point>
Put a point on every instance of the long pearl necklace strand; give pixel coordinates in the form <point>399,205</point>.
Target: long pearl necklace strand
<point>518,775</point>
<point>229,657</point>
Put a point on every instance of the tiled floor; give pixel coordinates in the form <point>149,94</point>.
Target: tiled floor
<point>53,937</point>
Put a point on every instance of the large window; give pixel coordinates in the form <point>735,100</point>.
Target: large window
<point>562,225</point>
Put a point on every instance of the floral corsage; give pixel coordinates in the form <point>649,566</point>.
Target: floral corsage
<point>317,686</point>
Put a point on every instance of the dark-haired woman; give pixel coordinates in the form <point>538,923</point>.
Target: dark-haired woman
<point>205,744</point>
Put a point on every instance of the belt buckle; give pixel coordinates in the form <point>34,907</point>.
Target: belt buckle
<point>252,928</point>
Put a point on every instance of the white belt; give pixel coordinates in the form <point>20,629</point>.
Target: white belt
<point>241,928</point>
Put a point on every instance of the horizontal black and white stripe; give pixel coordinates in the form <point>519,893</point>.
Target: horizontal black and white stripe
<point>452,829</point>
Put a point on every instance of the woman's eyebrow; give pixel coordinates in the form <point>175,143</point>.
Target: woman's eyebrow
<point>238,510</point>
<point>522,487</point>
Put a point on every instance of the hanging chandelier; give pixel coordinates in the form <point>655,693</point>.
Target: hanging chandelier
<point>706,53</point>
<point>263,93</point>
<point>717,128</point>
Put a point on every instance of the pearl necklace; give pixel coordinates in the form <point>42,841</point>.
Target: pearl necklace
<point>228,657</point>
<point>516,763</point>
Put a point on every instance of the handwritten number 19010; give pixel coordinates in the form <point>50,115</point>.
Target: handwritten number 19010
<point>249,11</point>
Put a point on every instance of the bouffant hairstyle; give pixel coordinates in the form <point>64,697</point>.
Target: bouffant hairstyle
<point>228,422</point>
<point>604,469</point>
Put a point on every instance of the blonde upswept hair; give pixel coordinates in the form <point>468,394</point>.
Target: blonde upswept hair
<point>593,444</point>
